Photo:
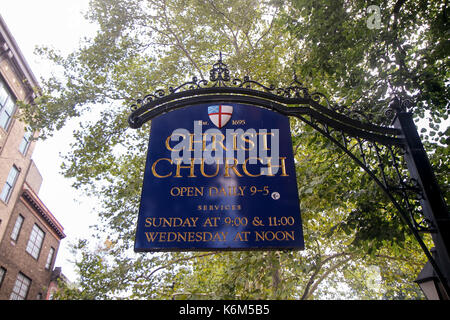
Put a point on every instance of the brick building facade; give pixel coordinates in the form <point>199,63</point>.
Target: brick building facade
<point>29,233</point>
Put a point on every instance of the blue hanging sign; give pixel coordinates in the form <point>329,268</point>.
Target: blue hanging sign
<point>219,176</point>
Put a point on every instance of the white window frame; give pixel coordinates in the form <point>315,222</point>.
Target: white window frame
<point>26,141</point>
<point>9,184</point>
<point>21,287</point>
<point>50,256</point>
<point>2,275</point>
<point>17,227</point>
<point>35,241</point>
<point>7,106</point>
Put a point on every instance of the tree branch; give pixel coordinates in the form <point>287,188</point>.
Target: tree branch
<point>382,256</point>
<point>228,25</point>
<point>179,260</point>
<point>396,11</point>
<point>324,275</point>
<point>268,29</point>
<point>179,43</point>
<point>313,285</point>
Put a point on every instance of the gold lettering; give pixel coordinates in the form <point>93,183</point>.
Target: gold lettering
<point>192,141</point>
<point>154,168</point>
<point>264,135</point>
<point>282,166</point>
<point>170,137</point>
<point>193,220</point>
<point>238,236</point>
<point>234,134</point>
<point>278,235</point>
<point>222,191</point>
<point>217,237</point>
<point>199,191</point>
<point>233,167</point>
<point>171,222</point>
<point>208,222</point>
<point>151,236</point>
<point>290,235</point>
<point>181,236</point>
<point>175,194</point>
<point>247,140</point>
<point>204,236</point>
<point>179,220</point>
<point>179,167</point>
<point>171,234</point>
<point>214,140</point>
<point>259,236</point>
<point>166,222</point>
<point>186,191</point>
<point>202,170</point>
<point>244,167</point>
<point>224,235</point>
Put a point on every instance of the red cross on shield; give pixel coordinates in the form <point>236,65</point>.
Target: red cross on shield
<point>220,114</point>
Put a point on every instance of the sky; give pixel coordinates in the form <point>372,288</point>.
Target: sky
<point>58,24</point>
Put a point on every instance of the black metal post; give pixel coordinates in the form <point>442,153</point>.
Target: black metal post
<point>433,203</point>
<point>221,88</point>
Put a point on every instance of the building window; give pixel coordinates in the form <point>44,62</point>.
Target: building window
<point>4,95</point>
<point>26,140</point>
<point>9,184</point>
<point>2,275</point>
<point>7,107</point>
<point>35,242</point>
<point>50,258</point>
<point>21,287</point>
<point>17,227</point>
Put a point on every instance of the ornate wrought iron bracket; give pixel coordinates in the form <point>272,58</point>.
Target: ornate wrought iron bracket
<point>392,156</point>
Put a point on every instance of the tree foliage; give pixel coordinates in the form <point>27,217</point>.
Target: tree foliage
<point>357,247</point>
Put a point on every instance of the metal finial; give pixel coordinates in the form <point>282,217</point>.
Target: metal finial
<point>219,72</point>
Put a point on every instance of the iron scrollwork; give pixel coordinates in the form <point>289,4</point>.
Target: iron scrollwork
<point>377,149</point>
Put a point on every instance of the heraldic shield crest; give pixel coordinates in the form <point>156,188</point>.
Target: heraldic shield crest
<point>220,114</point>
